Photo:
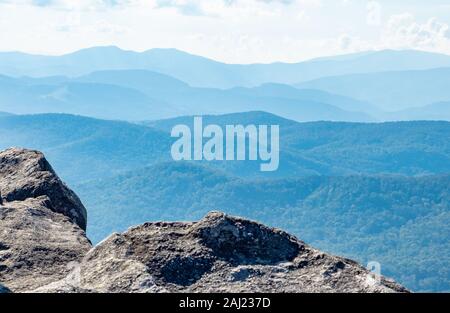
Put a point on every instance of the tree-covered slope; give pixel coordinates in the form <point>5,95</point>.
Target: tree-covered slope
<point>81,148</point>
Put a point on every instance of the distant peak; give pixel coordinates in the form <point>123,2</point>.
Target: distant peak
<point>101,49</point>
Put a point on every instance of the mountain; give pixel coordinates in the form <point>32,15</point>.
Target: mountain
<point>83,148</point>
<point>330,148</point>
<point>109,83</point>
<point>439,111</point>
<point>202,72</point>
<point>152,83</point>
<point>390,91</point>
<point>139,94</point>
<point>25,96</point>
<point>43,222</point>
<point>143,94</point>
<point>285,91</point>
<point>275,98</point>
<point>400,222</point>
<point>44,249</point>
<point>245,118</point>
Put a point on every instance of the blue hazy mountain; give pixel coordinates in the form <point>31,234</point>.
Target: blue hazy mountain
<point>335,148</point>
<point>25,96</point>
<point>202,72</point>
<point>301,105</point>
<point>139,94</point>
<point>2,114</point>
<point>435,111</point>
<point>390,91</point>
<point>401,222</point>
<point>274,90</point>
<point>152,83</point>
<point>84,148</point>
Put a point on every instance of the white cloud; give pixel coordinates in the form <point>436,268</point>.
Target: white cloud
<point>186,7</point>
<point>236,31</point>
<point>373,13</point>
<point>404,32</point>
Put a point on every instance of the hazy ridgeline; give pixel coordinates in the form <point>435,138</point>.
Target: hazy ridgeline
<point>346,183</point>
<point>110,83</point>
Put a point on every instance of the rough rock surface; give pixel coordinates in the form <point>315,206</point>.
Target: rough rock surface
<point>27,174</point>
<point>219,253</point>
<point>41,222</point>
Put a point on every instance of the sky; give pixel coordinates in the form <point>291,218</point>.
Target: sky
<point>232,31</point>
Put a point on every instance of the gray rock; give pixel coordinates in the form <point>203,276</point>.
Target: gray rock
<point>220,253</point>
<point>41,223</point>
<point>27,174</point>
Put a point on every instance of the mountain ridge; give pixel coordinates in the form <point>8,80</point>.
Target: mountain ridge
<point>82,148</point>
<point>141,94</point>
<point>391,91</point>
<point>212,73</point>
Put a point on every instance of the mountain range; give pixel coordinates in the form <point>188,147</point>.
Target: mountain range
<point>202,72</point>
<point>109,83</point>
<point>140,94</point>
<point>84,148</point>
<point>391,91</point>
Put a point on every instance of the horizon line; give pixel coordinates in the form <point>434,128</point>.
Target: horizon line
<point>318,58</point>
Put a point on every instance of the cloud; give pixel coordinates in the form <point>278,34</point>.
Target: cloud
<point>183,7</point>
<point>42,3</point>
<point>215,7</point>
<point>404,32</point>
<point>287,2</point>
<point>234,31</point>
<point>373,13</point>
<point>186,7</point>
<point>71,4</point>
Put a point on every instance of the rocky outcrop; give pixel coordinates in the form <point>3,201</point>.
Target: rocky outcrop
<point>43,248</point>
<point>220,253</point>
<point>41,222</point>
<point>26,174</point>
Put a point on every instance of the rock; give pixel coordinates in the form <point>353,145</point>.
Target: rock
<point>27,174</point>
<point>219,253</point>
<point>41,223</point>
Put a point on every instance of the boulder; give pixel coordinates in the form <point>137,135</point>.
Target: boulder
<point>219,253</point>
<point>42,223</point>
<point>26,174</point>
